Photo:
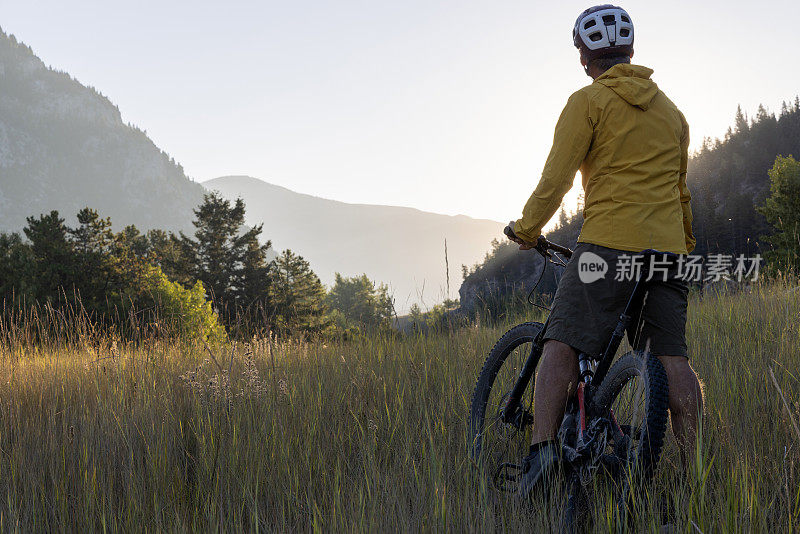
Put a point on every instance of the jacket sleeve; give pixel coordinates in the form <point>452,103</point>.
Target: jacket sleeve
<point>686,197</point>
<point>571,142</point>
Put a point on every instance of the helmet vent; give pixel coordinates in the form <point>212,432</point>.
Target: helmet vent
<point>603,30</point>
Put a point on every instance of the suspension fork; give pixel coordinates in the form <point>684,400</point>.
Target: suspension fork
<point>586,373</point>
<point>513,413</point>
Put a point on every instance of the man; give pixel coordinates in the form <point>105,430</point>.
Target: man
<point>630,143</point>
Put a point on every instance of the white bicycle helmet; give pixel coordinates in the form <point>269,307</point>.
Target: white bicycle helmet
<point>603,30</point>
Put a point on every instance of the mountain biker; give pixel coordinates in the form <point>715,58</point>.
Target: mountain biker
<point>630,143</point>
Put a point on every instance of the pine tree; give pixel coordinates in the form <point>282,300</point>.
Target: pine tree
<point>297,297</point>
<point>226,257</point>
<point>134,241</point>
<point>762,114</point>
<point>563,218</point>
<point>15,259</point>
<point>740,121</point>
<point>53,266</point>
<point>132,252</point>
<point>167,251</point>
<point>212,252</point>
<point>361,302</point>
<point>99,276</point>
<point>253,278</point>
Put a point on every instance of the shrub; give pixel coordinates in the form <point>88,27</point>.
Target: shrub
<point>782,210</point>
<point>186,310</point>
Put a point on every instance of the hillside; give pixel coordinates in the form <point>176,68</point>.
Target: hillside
<point>64,146</point>
<point>403,247</point>
<point>728,178</point>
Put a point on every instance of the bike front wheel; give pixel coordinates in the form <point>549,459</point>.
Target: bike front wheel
<point>633,400</point>
<point>634,395</point>
<point>497,446</point>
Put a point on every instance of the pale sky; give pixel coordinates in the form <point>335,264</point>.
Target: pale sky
<point>446,106</point>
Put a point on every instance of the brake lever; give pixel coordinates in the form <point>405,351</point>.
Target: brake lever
<point>541,248</point>
<point>560,261</point>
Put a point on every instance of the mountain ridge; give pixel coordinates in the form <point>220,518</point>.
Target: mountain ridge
<point>252,179</point>
<point>64,146</point>
<point>402,246</point>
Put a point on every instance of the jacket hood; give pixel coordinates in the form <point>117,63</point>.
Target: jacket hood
<point>632,83</point>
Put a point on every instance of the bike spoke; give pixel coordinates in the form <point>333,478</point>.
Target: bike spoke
<point>504,443</point>
<point>630,410</point>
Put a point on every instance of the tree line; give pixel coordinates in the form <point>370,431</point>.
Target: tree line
<point>729,179</point>
<point>223,276</point>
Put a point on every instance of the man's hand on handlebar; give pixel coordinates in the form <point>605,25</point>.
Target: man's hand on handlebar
<point>542,245</point>
<point>523,245</point>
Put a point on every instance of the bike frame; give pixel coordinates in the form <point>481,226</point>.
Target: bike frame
<point>513,412</point>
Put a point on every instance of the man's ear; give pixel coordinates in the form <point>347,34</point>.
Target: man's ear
<point>631,54</point>
<point>583,59</point>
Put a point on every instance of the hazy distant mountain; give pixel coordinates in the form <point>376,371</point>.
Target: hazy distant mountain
<point>403,247</point>
<point>64,146</point>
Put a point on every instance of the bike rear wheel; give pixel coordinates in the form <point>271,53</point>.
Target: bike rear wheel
<point>495,443</point>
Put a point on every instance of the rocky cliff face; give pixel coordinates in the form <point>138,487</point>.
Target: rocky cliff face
<point>64,146</point>
<point>504,278</point>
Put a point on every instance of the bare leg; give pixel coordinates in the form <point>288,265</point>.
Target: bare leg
<point>557,378</point>
<point>685,402</point>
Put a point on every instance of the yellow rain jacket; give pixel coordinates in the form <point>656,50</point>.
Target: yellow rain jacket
<point>631,145</point>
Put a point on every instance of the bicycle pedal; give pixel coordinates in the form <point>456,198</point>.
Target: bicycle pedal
<point>527,418</point>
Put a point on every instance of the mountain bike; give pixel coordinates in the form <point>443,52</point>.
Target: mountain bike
<point>614,425</point>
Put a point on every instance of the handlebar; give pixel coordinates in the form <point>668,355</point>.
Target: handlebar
<point>547,245</point>
<point>543,246</point>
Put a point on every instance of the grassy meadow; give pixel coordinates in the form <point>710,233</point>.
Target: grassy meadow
<point>369,435</point>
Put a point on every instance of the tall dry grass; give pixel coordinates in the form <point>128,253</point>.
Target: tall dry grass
<point>367,435</point>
